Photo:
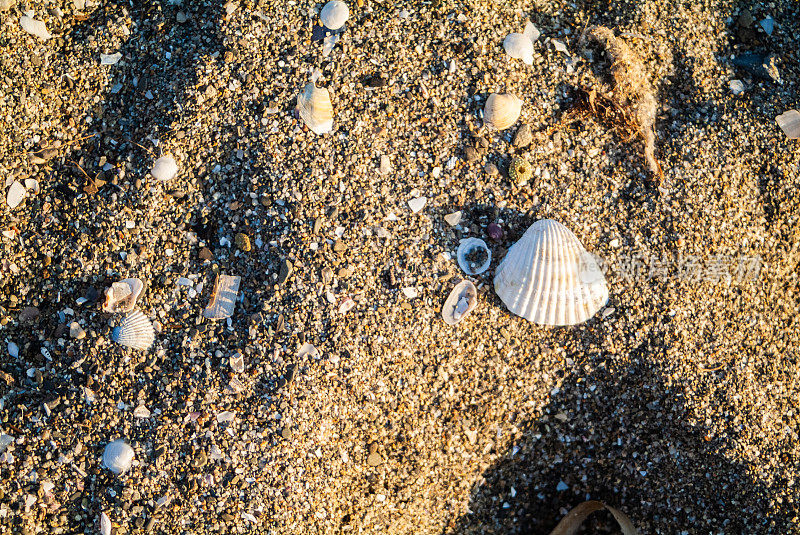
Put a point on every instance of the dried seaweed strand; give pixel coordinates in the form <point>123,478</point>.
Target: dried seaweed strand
<point>633,90</point>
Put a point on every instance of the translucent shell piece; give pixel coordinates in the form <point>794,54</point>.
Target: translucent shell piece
<point>135,332</point>
<point>461,301</point>
<point>519,46</point>
<point>473,256</point>
<point>223,299</point>
<point>118,456</point>
<point>548,278</point>
<point>315,107</point>
<point>501,110</point>
<point>790,123</point>
<point>122,296</point>
<point>334,14</point>
<point>165,168</point>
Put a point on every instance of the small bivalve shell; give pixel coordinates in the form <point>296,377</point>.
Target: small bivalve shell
<point>334,14</point>
<point>548,278</point>
<point>118,456</point>
<point>461,301</point>
<point>473,256</point>
<point>15,195</point>
<point>519,46</point>
<point>315,107</point>
<point>501,110</point>
<point>136,331</point>
<point>165,168</point>
<point>122,296</point>
<point>790,123</point>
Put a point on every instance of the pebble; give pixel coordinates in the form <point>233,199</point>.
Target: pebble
<point>76,331</point>
<point>736,86</point>
<point>453,219</point>
<point>284,272</point>
<point>523,137</point>
<point>386,165</point>
<point>491,169</point>
<point>374,459</point>
<point>471,155</point>
<point>417,204</point>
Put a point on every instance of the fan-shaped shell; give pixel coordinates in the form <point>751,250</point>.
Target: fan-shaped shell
<point>135,332</point>
<point>121,296</point>
<point>461,301</point>
<point>501,110</point>
<point>519,46</point>
<point>165,168</point>
<point>334,14</point>
<point>316,109</point>
<point>547,277</point>
<point>473,256</point>
<point>118,456</point>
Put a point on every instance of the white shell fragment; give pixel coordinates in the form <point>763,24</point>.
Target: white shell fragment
<point>15,195</point>
<point>118,456</point>
<point>531,31</point>
<point>122,296</point>
<point>519,46</point>
<point>790,123</point>
<point>548,278</point>
<point>110,59</point>
<point>316,110</point>
<point>223,299</point>
<point>453,219</point>
<point>165,168</point>
<point>334,14</point>
<point>34,27</point>
<point>418,203</point>
<point>105,524</point>
<point>501,110</point>
<point>473,256</point>
<point>461,301</point>
<point>135,331</point>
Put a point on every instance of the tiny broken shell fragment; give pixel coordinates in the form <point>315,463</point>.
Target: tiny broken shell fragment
<point>461,301</point>
<point>223,299</point>
<point>122,296</point>
<point>473,256</point>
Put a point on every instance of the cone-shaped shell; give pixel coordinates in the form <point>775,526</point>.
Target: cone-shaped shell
<point>334,14</point>
<point>316,109</point>
<point>461,301</point>
<point>118,456</point>
<point>135,331</point>
<point>519,46</point>
<point>122,296</point>
<point>547,277</point>
<point>501,110</point>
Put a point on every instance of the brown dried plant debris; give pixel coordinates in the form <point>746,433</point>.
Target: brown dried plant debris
<point>633,94</point>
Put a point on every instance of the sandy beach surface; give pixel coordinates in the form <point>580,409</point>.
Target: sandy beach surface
<point>335,399</point>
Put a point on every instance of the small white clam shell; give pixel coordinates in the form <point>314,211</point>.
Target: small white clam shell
<point>473,256</point>
<point>223,298</point>
<point>16,193</point>
<point>165,168</point>
<point>316,108</point>
<point>461,301</point>
<point>118,456</point>
<point>136,331</point>
<point>790,123</point>
<point>548,278</point>
<point>334,14</point>
<point>519,46</point>
<point>501,110</point>
<point>122,295</point>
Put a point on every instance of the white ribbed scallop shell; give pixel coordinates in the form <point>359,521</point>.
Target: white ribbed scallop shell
<point>121,296</point>
<point>316,109</point>
<point>519,46</point>
<point>118,456</point>
<point>547,277</point>
<point>135,331</point>
<point>501,110</point>
<point>334,14</point>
